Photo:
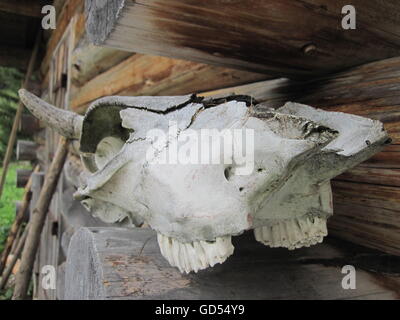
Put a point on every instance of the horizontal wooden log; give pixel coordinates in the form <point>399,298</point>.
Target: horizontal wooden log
<point>28,124</point>
<point>26,150</point>
<point>389,158</point>
<point>368,214</point>
<point>285,38</point>
<point>379,176</point>
<point>23,176</point>
<point>370,226</point>
<point>89,61</point>
<point>150,75</point>
<point>115,263</point>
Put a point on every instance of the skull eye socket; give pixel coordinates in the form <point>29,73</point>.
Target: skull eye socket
<point>102,136</point>
<point>106,150</point>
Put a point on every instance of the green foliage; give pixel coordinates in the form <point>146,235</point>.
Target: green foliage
<point>7,203</point>
<point>10,82</point>
<point>7,210</point>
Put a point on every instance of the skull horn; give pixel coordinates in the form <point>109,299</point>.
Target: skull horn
<point>66,123</point>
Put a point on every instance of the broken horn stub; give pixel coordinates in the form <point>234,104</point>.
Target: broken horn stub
<point>196,255</point>
<point>66,123</point>
<point>293,233</point>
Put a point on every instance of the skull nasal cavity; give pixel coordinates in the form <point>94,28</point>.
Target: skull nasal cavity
<point>228,172</point>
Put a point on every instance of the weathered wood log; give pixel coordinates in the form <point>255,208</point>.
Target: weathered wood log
<point>69,10</point>
<point>116,263</point>
<point>17,223</point>
<point>29,125</point>
<point>367,198</point>
<point>290,38</point>
<point>26,150</point>
<point>18,206</point>
<point>38,218</point>
<point>23,176</point>
<point>89,61</point>
<point>150,75</point>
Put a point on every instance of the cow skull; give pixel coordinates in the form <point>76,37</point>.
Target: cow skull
<point>283,193</point>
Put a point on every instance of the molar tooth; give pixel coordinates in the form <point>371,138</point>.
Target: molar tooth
<point>294,233</point>
<point>196,255</point>
<point>200,254</point>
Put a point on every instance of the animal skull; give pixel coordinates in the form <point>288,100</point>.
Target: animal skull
<point>196,207</point>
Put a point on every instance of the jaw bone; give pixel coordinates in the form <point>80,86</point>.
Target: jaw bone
<point>196,255</point>
<point>294,233</point>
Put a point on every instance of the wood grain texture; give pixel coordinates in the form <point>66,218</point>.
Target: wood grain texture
<point>150,75</point>
<point>285,38</point>
<point>116,263</point>
<point>89,61</point>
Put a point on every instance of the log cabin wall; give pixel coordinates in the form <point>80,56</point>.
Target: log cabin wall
<point>366,199</point>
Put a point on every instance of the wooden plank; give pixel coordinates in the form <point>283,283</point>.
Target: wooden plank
<point>89,61</point>
<point>117,263</point>
<point>362,229</point>
<point>284,38</point>
<point>388,158</point>
<point>150,75</point>
<point>379,176</point>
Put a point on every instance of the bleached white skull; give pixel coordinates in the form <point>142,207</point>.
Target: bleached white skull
<point>283,192</point>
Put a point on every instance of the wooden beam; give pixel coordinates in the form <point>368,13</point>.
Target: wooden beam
<point>23,176</point>
<point>151,75</point>
<point>30,8</point>
<point>89,61</point>
<point>26,150</point>
<point>113,263</point>
<point>285,38</point>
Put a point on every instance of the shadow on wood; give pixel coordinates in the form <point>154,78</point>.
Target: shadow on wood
<point>116,263</point>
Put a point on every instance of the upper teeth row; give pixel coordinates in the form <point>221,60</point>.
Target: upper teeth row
<point>293,233</point>
<point>197,255</point>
